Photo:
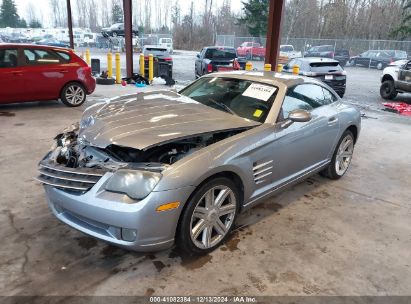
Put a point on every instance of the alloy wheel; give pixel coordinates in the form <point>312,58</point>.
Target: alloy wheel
<point>344,155</point>
<point>213,217</point>
<point>75,94</point>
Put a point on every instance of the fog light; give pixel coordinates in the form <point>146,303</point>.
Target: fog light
<point>128,235</point>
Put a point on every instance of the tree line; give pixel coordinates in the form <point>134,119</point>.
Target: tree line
<point>197,26</point>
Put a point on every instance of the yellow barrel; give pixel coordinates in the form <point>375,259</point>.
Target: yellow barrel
<point>279,68</point>
<point>248,66</point>
<point>118,68</point>
<point>142,67</point>
<point>150,67</point>
<point>296,70</point>
<point>267,67</point>
<point>88,56</point>
<point>109,65</point>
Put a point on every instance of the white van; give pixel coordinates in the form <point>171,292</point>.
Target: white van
<point>166,42</point>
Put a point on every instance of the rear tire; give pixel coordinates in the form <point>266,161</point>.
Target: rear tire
<point>73,94</point>
<point>207,221</point>
<point>387,90</point>
<point>342,157</point>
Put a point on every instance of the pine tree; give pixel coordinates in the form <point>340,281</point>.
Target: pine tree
<point>9,16</point>
<point>256,16</point>
<point>404,30</point>
<point>117,13</point>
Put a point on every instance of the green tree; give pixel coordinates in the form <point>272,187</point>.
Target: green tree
<point>35,24</point>
<point>255,16</point>
<point>404,29</point>
<point>8,14</point>
<point>117,13</point>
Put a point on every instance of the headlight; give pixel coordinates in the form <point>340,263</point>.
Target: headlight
<point>136,184</point>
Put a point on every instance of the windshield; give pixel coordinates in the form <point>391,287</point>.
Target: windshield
<point>222,53</point>
<point>244,98</point>
<point>286,48</point>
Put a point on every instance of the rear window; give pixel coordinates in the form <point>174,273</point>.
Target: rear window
<point>223,53</point>
<point>326,48</point>
<point>40,57</point>
<point>155,51</point>
<point>325,67</point>
<point>286,48</point>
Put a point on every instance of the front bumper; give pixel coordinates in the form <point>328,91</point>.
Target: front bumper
<point>110,216</point>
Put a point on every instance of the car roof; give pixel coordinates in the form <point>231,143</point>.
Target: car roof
<point>316,59</point>
<point>272,78</point>
<point>35,46</point>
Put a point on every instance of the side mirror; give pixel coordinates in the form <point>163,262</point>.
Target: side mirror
<point>198,56</point>
<point>299,115</point>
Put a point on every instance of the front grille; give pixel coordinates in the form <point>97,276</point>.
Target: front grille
<point>261,171</point>
<point>75,179</point>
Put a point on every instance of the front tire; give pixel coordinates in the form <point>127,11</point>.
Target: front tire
<point>342,157</point>
<point>73,95</point>
<point>387,90</point>
<point>208,217</point>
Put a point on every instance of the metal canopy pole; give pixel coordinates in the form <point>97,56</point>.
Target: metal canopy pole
<point>128,30</point>
<point>70,24</point>
<point>274,32</point>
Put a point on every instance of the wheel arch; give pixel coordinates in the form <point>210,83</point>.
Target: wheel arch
<point>387,77</point>
<point>227,174</point>
<point>354,130</point>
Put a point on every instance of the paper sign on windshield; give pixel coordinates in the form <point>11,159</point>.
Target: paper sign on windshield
<point>259,91</point>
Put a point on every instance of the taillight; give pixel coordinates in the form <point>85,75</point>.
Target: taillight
<point>391,60</point>
<point>168,59</point>
<point>145,57</point>
<point>332,54</point>
<point>209,68</point>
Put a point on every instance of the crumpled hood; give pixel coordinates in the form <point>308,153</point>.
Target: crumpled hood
<point>144,120</point>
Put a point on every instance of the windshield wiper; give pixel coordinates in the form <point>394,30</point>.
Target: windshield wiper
<point>223,106</point>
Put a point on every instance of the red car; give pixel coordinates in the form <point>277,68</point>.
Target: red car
<point>251,50</point>
<point>34,72</point>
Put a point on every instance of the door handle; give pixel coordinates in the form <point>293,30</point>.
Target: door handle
<point>63,71</point>
<point>332,120</point>
<point>18,73</point>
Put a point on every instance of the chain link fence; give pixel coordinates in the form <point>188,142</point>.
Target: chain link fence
<point>355,46</point>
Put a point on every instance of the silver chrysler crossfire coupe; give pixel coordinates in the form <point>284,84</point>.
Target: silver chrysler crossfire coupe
<point>146,170</point>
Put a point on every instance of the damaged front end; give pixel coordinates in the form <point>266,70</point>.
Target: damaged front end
<point>75,166</point>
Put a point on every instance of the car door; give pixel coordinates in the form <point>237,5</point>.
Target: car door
<point>43,73</point>
<point>305,146</point>
<point>12,84</point>
<point>404,77</point>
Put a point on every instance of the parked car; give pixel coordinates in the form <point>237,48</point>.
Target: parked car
<point>31,72</point>
<point>378,58</point>
<point>18,38</point>
<point>329,51</point>
<point>117,30</point>
<point>146,170</point>
<point>396,78</point>
<point>287,53</point>
<point>163,62</point>
<point>326,70</point>
<point>251,50</point>
<point>168,43</point>
<point>214,58</point>
<point>52,42</point>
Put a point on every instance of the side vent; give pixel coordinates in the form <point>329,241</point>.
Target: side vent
<point>262,170</point>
